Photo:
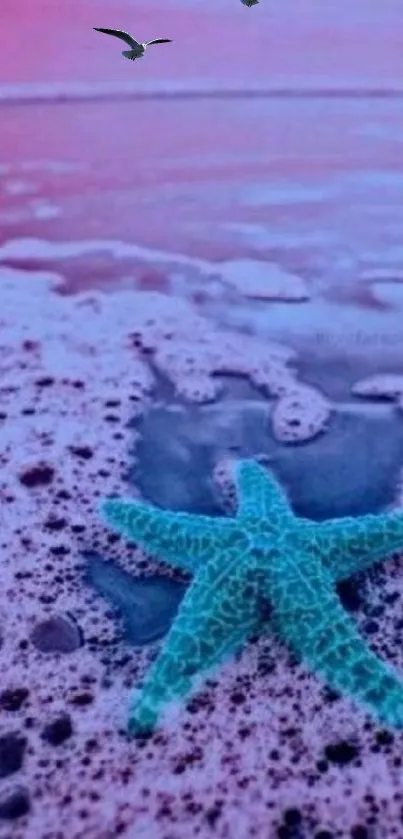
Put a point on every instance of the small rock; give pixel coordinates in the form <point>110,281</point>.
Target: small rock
<point>40,475</point>
<point>14,803</point>
<point>82,699</point>
<point>12,748</point>
<point>58,634</point>
<point>12,699</point>
<point>58,731</point>
<point>341,753</point>
<point>82,452</point>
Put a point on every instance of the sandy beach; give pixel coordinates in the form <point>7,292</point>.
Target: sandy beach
<point>200,261</point>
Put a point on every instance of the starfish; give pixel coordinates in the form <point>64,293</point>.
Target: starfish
<point>265,554</point>
<point>137,49</point>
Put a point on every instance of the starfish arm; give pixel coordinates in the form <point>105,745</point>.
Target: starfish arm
<point>309,615</point>
<point>259,493</point>
<point>216,616</point>
<point>349,545</point>
<point>180,539</point>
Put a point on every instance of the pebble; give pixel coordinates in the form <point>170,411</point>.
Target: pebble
<point>57,634</point>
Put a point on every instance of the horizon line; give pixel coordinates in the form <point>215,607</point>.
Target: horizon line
<point>60,93</point>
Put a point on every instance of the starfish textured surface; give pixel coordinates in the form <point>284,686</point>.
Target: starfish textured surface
<point>264,555</point>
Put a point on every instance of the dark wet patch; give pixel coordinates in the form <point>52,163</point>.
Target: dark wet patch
<point>341,753</point>
<point>82,699</point>
<point>55,524</point>
<point>147,605</point>
<point>12,750</point>
<point>292,826</point>
<point>45,381</point>
<point>350,594</point>
<point>14,803</point>
<point>350,470</point>
<point>40,475</point>
<point>12,699</point>
<point>82,452</point>
<point>58,730</point>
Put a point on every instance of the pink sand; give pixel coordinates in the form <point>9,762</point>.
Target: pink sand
<point>215,764</point>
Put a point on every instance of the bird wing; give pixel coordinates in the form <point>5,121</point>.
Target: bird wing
<point>124,36</point>
<point>159,41</point>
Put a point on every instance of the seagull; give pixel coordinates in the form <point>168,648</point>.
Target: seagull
<point>250,2</point>
<point>136,50</point>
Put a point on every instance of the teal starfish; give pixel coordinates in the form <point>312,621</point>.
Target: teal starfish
<point>264,554</point>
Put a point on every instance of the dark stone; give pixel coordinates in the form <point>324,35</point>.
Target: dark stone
<point>14,803</point>
<point>54,524</point>
<point>84,698</point>
<point>322,766</point>
<point>12,748</point>
<point>214,813</point>
<point>341,753</point>
<point>45,381</point>
<point>59,550</point>
<point>292,828</point>
<point>359,831</point>
<point>82,452</point>
<point>370,627</point>
<point>147,605</point>
<point>286,831</point>
<point>330,695</point>
<point>63,494</point>
<point>58,731</point>
<point>384,738</point>
<point>237,697</point>
<point>40,475</point>
<point>292,816</point>
<point>12,699</point>
<point>57,634</point>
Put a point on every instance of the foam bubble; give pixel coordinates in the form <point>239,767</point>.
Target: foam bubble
<point>384,385</point>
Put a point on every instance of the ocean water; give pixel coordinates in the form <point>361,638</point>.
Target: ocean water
<point>192,273</point>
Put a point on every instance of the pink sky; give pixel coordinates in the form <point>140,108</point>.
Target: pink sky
<point>274,43</point>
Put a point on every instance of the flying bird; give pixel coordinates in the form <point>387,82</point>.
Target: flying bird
<point>250,2</point>
<point>136,50</point>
